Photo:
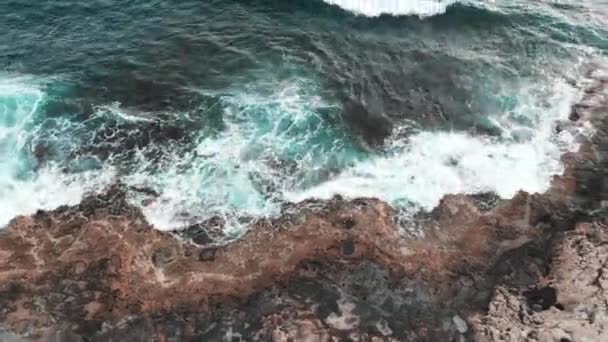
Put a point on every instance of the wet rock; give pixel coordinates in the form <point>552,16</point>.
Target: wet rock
<point>485,201</point>
<point>574,113</point>
<point>145,190</point>
<point>42,153</point>
<point>374,128</point>
<point>204,233</point>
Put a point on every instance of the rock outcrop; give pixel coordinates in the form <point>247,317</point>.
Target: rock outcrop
<point>528,268</point>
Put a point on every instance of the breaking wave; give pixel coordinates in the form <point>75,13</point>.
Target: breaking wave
<point>26,187</point>
<point>420,170</point>
<point>374,8</point>
<point>276,144</point>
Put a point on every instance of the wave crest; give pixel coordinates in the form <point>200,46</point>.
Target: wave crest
<point>374,8</point>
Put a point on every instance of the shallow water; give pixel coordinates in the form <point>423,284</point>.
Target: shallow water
<point>231,108</point>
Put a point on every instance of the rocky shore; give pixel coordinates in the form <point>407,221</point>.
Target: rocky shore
<point>531,268</point>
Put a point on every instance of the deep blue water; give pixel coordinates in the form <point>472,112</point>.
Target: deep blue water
<point>232,107</point>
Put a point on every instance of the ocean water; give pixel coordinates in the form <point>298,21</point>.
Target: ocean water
<point>232,108</point>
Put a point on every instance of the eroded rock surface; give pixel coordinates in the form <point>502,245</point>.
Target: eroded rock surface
<point>528,268</point>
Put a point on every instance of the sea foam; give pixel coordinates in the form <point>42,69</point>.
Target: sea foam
<point>273,137</point>
<point>374,8</point>
<point>276,146</point>
<point>419,171</point>
<point>23,190</point>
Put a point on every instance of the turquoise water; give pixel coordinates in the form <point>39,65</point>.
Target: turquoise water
<point>232,108</point>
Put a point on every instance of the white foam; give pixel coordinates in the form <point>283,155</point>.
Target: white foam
<point>47,190</point>
<point>214,180</point>
<point>433,164</point>
<point>225,175</point>
<point>19,101</point>
<point>374,8</point>
<point>416,173</point>
<point>222,174</point>
<point>23,191</point>
<point>122,113</point>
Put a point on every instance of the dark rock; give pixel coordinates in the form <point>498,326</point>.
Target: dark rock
<point>374,128</point>
<point>145,190</point>
<point>348,247</point>
<point>574,116</point>
<point>204,233</point>
<point>543,298</point>
<point>207,254</point>
<point>349,223</point>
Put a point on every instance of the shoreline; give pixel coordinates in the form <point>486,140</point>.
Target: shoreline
<point>326,269</point>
